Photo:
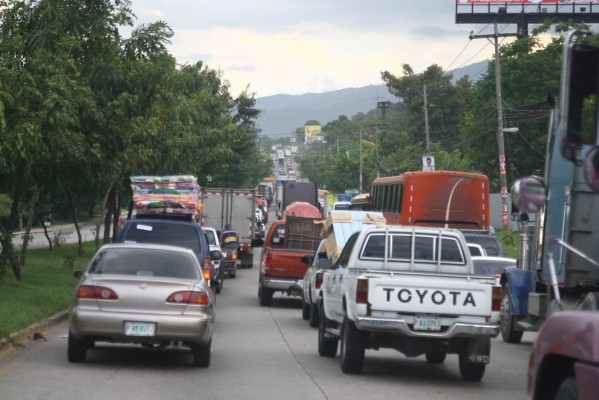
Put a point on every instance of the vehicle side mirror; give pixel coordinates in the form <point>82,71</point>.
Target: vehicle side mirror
<point>257,242</point>
<point>325,263</point>
<point>591,168</point>
<point>307,260</point>
<point>78,274</point>
<point>216,255</point>
<point>528,194</point>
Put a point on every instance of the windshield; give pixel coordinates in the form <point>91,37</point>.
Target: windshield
<point>182,235</point>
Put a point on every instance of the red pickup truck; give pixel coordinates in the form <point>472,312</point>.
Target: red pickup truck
<point>281,268</point>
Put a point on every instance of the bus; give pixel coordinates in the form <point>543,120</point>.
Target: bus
<point>449,199</point>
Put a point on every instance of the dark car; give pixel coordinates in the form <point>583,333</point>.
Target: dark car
<point>488,241</point>
<point>175,233</point>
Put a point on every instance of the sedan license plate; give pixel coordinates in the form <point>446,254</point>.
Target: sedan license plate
<point>140,329</point>
<point>427,324</point>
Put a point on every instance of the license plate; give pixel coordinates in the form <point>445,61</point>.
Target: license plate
<point>427,324</point>
<point>140,329</point>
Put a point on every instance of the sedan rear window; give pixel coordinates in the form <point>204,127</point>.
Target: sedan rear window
<point>146,262</point>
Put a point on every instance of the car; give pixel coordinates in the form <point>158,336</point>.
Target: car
<point>173,232</point>
<point>142,294</point>
<point>342,205</point>
<point>564,361</point>
<point>214,244</point>
<point>311,283</point>
<point>489,242</point>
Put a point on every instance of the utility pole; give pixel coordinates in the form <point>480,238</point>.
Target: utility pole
<point>384,106</point>
<point>360,182</point>
<point>426,132</point>
<point>500,141</point>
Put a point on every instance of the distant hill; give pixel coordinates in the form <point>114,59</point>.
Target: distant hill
<point>282,114</point>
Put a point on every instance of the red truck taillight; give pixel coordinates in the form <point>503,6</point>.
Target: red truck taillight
<point>362,291</point>
<point>318,280</point>
<point>267,262</point>
<point>496,299</point>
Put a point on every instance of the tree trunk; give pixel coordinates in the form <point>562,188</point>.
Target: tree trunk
<point>43,222</point>
<point>75,221</point>
<point>108,215</point>
<point>18,193</point>
<point>104,202</point>
<point>116,218</point>
<point>30,217</point>
<point>8,252</point>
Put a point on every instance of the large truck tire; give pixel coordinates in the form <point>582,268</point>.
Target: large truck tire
<point>509,334</point>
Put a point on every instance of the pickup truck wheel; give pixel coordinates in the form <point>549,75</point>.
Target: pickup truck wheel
<point>77,349</point>
<point>567,390</point>
<point>327,347</point>
<point>508,332</point>
<point>469,371</point>
<point>314,315</point>
<point>305,309</point>
<point>265,295</point>
<point>353,347</point>
<point>201,354</point>
<point>436,357</point>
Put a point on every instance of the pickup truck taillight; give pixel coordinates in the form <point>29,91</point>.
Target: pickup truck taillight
<point>318,280</point>
<point>362,291</point>
<point>267,262</point>
<point>496,300</point>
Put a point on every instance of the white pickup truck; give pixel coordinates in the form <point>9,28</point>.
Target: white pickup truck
<point>412,289</point>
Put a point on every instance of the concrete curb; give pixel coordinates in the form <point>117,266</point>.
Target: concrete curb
<point>19,339</point>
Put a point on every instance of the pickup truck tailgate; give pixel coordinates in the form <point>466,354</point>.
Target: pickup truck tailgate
<point>287,263</point>
<point>439,295</point>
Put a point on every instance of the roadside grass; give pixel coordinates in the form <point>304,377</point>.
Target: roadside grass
<point>46,286</point>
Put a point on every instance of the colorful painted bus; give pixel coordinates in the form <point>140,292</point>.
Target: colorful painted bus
<point>451,199</point>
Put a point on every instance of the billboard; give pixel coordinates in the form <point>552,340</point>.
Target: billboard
<point>310,132</point>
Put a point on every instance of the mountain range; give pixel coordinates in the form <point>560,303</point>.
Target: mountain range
<point>282,114</point>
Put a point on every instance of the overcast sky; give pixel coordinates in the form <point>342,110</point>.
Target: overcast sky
<point>315,46</point>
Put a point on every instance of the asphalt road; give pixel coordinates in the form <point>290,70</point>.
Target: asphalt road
<point>258,353</point>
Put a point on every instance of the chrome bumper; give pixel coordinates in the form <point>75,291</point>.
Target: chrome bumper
<point>400,327</point>
<point>292,286</point>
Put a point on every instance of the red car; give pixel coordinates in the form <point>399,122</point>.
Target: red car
<point>564,363</point>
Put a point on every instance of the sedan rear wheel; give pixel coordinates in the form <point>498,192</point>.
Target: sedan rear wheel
<point>77,349</point>
<point>201,354</point>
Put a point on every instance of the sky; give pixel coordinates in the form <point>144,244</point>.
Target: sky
<point>294,47</point>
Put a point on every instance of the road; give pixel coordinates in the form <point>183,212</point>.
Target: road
<point>258,353</point>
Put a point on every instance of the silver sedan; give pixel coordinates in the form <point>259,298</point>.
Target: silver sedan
<point>147,294</point>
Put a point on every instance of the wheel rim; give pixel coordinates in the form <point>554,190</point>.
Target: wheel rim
<point>505,313</point>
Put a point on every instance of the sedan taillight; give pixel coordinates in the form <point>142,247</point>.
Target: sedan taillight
<point>96,292</point>
<point>189,297</point>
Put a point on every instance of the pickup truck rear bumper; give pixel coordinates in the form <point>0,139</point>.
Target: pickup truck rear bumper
<point>291,286</point>
<point>399,326</point>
